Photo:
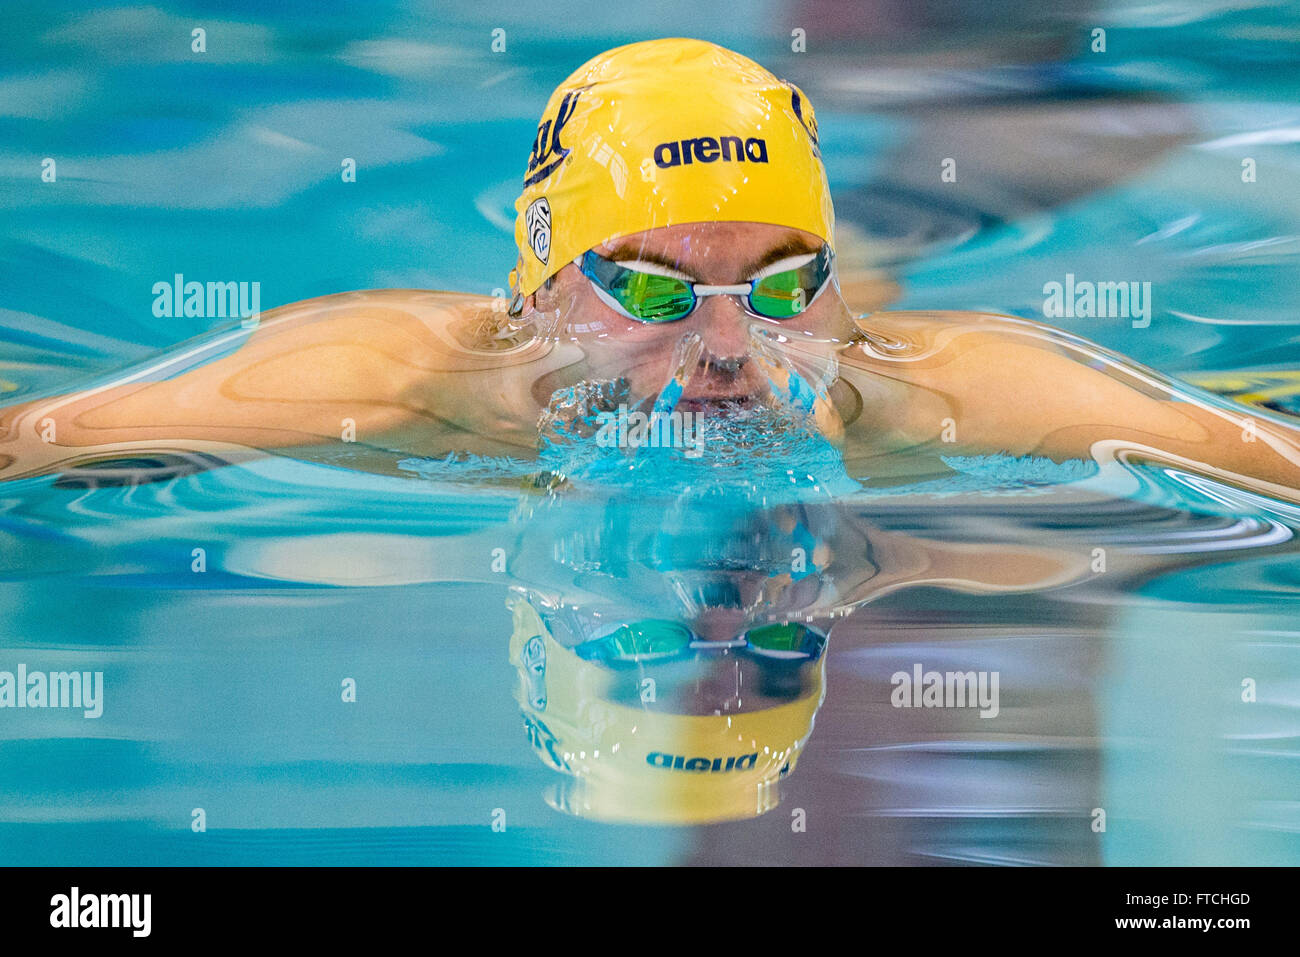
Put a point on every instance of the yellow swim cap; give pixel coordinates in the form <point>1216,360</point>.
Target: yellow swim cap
<point>664,132</point>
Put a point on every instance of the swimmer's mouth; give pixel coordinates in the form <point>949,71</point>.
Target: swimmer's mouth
<point>706,404</point>
<point>723,381</point>
<point>701,382</point>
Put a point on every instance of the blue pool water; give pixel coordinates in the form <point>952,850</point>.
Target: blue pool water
<point>1122,689</point>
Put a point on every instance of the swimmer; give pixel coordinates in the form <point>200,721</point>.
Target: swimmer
<point>676,250</point>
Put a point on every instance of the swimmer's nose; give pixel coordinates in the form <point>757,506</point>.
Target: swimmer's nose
<point>723,324</point>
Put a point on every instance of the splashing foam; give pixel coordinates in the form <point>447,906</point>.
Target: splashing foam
<point>734,442</point>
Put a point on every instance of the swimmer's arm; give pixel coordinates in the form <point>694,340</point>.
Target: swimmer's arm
<point>1057,406</point>
<point>986,393</point>
<point>371,378</point>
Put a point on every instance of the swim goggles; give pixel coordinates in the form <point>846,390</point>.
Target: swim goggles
<point>652,297</point>
<point>655,639</point>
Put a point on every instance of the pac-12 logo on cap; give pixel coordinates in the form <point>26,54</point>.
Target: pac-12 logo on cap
<point>537,220</point>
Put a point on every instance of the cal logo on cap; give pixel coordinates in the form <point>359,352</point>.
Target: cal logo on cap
<point>548,152</point>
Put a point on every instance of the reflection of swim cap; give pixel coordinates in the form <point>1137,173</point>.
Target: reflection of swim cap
<point>643,764</point>
<point>665,132</point>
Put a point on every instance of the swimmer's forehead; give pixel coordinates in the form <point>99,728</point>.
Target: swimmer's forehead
<point>742,250</point>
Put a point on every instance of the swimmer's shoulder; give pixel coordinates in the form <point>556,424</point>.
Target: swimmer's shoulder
<point>917,336</point>
<point>422,324</point>
<point>996,367</point>
<point>940,324</point>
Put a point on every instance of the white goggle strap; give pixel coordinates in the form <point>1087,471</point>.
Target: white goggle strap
<point>738,290</point>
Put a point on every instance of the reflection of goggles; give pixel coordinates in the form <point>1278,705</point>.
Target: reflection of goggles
<point>654,639</point>
<point>652,297</point>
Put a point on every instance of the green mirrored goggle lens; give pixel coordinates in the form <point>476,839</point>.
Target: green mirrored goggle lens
<point>638,641</point>
<point>653,298</point>
<point>791,638</point>
<point>642,295</point>
<point>786,294</point>
<point>779,296</point>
